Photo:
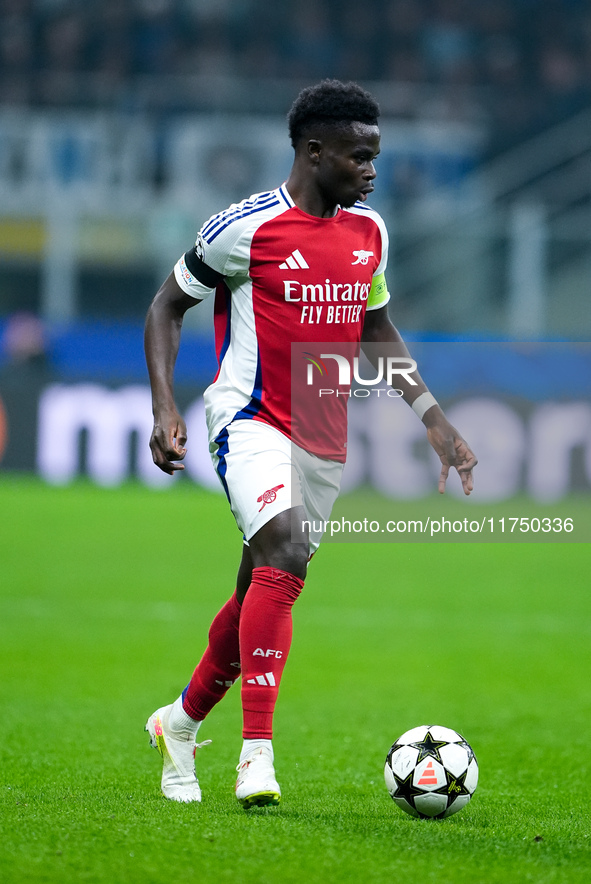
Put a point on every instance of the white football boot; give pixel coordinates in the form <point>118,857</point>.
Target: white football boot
<point>179,782</point>
<point>256,785</point>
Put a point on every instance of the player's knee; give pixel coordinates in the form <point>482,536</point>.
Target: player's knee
<point>274,546</point>
<point>284,555</point>
<point>293,558</point>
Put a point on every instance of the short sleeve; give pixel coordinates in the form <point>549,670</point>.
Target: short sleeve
<point>189,283</point>
<point>223,243</point>
<point>379,294</point>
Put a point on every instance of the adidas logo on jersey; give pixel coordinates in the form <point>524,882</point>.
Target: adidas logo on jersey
<point>296,261</point>
<point>267,679</point>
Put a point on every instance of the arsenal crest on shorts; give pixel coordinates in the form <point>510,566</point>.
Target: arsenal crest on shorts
<point>269,496</point>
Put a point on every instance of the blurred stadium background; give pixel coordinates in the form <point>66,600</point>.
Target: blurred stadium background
<point>125,123</point>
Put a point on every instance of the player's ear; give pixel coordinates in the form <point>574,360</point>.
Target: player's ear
<point>313,147</point>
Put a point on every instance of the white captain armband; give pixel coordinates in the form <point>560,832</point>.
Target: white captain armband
<point>189,282</point>
<point>422,403</point>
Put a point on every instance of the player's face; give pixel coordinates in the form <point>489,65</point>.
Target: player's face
<point>345,171</point>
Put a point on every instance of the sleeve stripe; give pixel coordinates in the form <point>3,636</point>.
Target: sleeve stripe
<point>219,222</point>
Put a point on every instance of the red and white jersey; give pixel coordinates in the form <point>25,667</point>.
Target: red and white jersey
<point>288,277</point>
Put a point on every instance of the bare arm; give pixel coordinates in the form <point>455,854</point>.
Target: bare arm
<point>161,342</point>
<point>378,329</point>
<point>443,437</point>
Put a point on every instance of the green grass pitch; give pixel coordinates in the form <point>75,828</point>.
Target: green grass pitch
<point>106,596</point>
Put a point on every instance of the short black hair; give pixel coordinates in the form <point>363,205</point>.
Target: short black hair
<point>331,102</point>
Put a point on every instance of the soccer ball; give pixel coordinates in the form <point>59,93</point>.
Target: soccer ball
<point>431,772</point>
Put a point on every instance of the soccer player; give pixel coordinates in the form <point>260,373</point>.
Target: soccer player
<point>302,263</point>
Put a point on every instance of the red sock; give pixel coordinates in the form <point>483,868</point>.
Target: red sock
<point>219,667</point>
<point>265,639</point>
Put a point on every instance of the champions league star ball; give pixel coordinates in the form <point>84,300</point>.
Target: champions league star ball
<point>431,772</point>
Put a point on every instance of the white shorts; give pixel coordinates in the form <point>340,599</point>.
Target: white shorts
<point>264,473</point>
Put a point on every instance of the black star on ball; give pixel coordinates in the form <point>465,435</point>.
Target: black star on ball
<point>406,790</point>
<point>454,787</point>
<point>429,747</point>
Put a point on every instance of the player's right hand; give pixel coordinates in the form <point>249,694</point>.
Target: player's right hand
<point>168,441</point>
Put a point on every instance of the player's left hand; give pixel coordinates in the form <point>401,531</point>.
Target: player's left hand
<point>453,451</point>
